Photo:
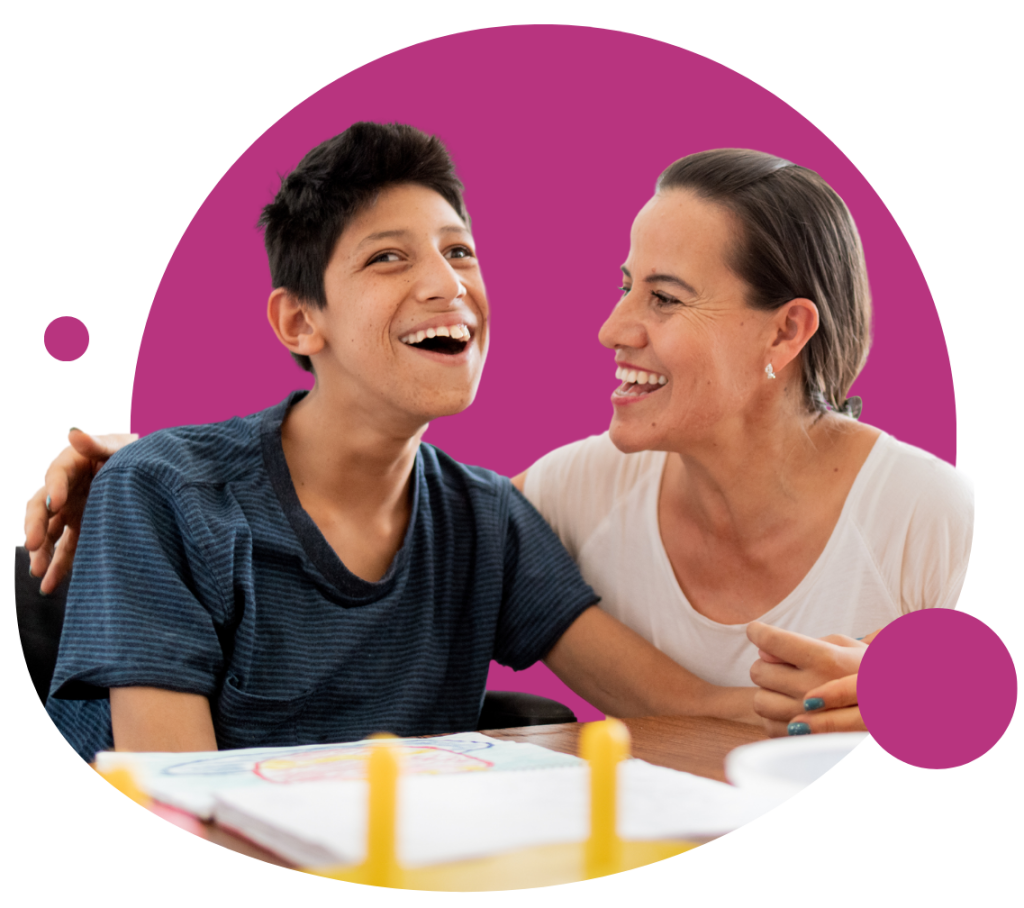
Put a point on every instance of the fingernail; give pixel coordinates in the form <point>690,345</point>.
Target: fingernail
<point>48,505</point>
<point>813,703</point>
<point>74,429</point>
<point>798,728</point>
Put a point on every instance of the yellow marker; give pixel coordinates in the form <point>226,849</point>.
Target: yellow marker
<point>604,745</point>
<point>381,866</point>
<point>123,780</point>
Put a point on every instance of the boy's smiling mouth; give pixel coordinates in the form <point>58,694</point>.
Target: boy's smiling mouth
<point>447,339</point>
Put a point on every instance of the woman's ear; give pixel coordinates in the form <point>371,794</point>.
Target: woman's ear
<point>795,324</point>
<point>291,321</point>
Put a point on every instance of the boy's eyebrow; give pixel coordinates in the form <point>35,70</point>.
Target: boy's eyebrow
<point>662,279</point>
<point>400,233</point>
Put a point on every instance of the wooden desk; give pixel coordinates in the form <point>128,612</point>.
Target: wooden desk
<point>696,745</point>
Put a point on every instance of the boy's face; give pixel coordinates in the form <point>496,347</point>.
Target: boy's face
<point>404,268</point>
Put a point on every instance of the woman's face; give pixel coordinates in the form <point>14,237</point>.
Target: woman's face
<point>683,324</point>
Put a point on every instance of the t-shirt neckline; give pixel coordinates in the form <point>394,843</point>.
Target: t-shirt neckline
<point>353,588</point>
<point>855,493</point>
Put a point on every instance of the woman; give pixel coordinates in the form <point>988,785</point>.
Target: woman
<point>735,483</point>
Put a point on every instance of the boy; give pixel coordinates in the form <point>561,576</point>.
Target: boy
<point>313,572</point>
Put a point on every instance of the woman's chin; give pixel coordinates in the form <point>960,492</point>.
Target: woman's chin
<point>630,439</point>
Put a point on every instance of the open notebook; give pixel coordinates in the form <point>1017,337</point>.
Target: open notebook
<point>460,796</point>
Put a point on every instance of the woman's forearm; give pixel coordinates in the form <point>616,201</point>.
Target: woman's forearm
<point>736,703</point>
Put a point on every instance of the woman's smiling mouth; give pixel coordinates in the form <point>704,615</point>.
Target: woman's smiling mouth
<point>637,383</point>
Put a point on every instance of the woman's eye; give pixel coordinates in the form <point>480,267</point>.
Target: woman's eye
<point>624,290</point>
<point>459,252</point>
<point>663,299</point>
<point>384,257</point>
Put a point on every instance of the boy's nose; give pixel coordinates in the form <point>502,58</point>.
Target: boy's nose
<point>439,281</point>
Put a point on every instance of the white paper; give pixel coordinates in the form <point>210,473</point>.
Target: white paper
<point>456,817</point>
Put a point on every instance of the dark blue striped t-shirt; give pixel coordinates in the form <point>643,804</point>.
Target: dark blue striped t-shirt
<point>199,571</point>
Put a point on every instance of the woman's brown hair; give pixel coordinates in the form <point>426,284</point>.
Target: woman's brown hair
<point>797,240</point>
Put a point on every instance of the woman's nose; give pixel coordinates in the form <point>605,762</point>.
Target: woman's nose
<point>622,328</point>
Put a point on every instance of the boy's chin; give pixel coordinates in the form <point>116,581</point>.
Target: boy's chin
<point>448,404</point>
<point>457,406</point>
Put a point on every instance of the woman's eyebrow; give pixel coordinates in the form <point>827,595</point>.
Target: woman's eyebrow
<point>663,279</point>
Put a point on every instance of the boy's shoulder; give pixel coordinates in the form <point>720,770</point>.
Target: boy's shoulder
<point>461,477</point>
<point>214,453</point>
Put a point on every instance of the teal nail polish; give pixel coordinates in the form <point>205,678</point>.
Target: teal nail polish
<point>813,703</point>
<point>74,429</point>
<point>798,728</point>
<point>48,504</point>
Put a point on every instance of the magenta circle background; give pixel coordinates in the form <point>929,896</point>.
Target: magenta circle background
<point>559,133</point>
<point>66,338</point>
<point>937,688</point>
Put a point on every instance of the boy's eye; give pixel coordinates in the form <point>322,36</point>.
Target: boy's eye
<point>459,252</point>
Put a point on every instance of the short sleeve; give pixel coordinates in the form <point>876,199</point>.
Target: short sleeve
<point>939,536</point>
<point>915,516</point>
<point>142,608</point>
<point>543,592</point>
<point>573,487</point>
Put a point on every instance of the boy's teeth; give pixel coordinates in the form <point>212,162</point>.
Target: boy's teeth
<point>639,377</point>
<point>459,332</point>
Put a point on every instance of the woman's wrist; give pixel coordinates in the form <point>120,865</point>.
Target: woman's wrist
<point>735,703</point>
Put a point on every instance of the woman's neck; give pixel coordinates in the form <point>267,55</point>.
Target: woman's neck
<point>762,473</point>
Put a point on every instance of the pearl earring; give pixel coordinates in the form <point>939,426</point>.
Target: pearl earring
<point>769,371</point>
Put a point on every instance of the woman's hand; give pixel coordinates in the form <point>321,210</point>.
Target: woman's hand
<point>831,707</point>
<point>57,507</point>
<point>791,667</point>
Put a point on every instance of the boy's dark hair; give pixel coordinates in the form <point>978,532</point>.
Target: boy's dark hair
<point>331,184</point>
<point>797,239</point>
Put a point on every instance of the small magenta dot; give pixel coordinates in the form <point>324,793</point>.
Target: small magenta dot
<point>66,338</point>
<point>937,688</point>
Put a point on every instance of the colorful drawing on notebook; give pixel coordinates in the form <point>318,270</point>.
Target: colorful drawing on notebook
<point>190,781</point>
<point>337,761</point>
<point>350,763</point>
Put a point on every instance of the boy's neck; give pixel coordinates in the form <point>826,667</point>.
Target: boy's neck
<point>352,476</point>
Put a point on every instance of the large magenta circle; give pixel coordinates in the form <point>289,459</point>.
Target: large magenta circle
<point>559,133</point>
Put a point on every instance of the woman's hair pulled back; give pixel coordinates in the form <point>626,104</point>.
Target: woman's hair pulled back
<point>797,240</point>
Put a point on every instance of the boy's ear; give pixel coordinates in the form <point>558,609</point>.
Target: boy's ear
<point>290,319</point>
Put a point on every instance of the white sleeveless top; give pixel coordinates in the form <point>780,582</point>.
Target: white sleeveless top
<point>901,543</point>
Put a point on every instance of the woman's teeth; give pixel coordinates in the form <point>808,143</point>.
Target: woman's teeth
<point>638,377</point>
<point>458,332</point>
